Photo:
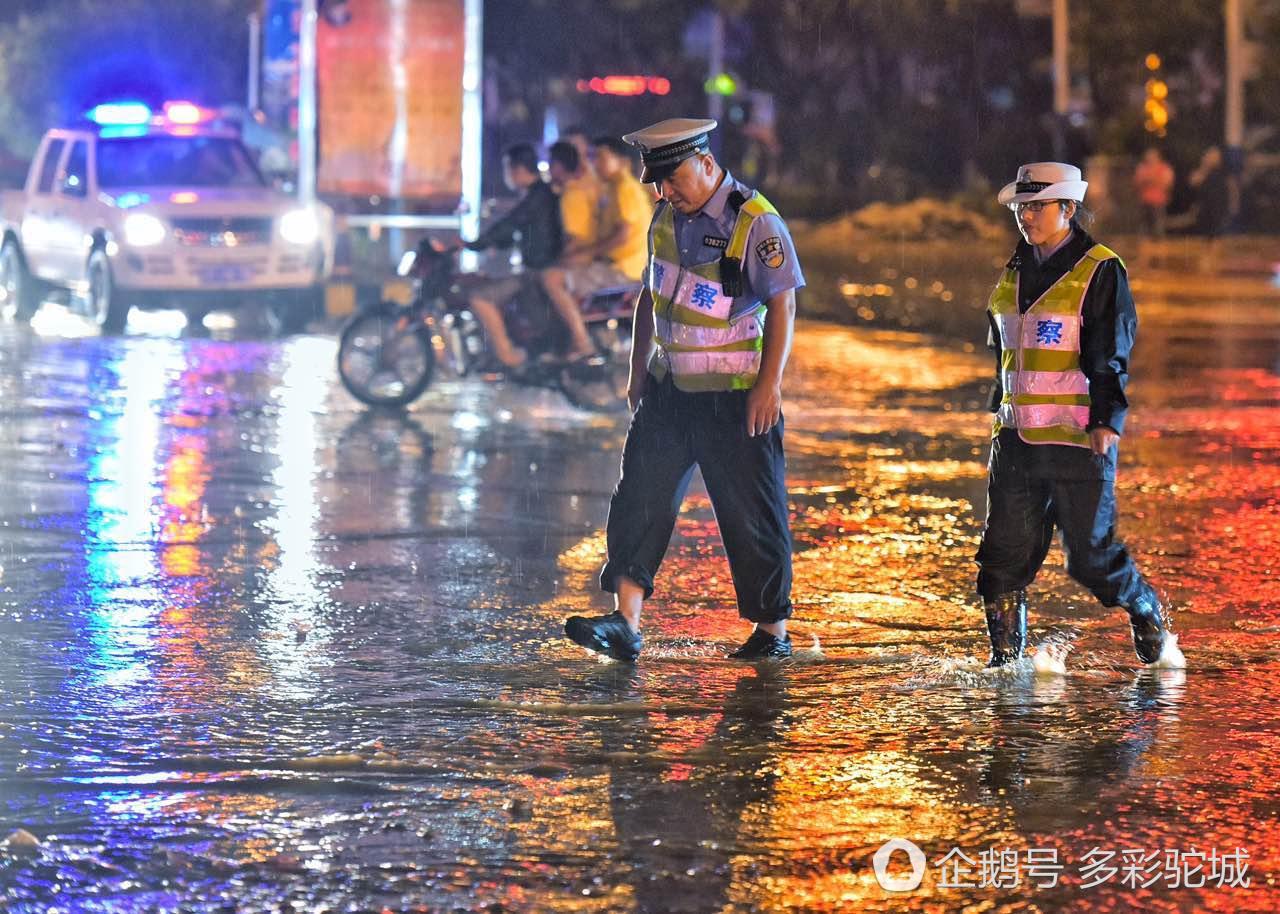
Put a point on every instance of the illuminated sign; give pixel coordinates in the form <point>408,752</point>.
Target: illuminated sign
<point>626,85</point>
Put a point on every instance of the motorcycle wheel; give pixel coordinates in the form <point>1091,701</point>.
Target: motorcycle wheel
<point>385,357</point>
<point>598,383</point>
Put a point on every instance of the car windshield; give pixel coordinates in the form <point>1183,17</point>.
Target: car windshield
<point>175,161</point>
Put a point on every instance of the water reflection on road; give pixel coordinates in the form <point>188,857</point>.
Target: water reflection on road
<point>262,650</point>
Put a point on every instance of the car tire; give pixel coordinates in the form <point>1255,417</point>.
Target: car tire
<point>22,292</point>
<point>104,304</point>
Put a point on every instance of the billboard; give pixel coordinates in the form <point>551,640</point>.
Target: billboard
<point>390,93</point>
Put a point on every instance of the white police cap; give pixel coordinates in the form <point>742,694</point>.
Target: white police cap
<point>1044,181</point>
<point>666,144</point>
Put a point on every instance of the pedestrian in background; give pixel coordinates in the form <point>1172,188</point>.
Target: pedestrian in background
<point>1213,203</point>
<point>1154,179</point>
<point>719,303</point>
<point>1063,324</point>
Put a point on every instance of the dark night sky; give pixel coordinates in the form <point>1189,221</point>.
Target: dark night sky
<point>12,9</point>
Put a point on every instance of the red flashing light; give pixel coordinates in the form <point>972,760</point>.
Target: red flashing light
<point>185,113</point>
<point>625,85</point>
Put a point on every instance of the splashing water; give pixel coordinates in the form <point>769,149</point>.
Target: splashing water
<point>1050,662</point>
<point>1171,656</point>
<point>811,654</point>
<point>1051,658</point>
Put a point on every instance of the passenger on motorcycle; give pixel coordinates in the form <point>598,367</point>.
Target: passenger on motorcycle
<point>536,222</point>
<point>619,253</point>
<point>580,215</point>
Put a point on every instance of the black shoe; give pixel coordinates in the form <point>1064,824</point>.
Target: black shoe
<point>1007,627</point>
<point>1146,618</point>
<point>763,646</point>
<point>609,635</point>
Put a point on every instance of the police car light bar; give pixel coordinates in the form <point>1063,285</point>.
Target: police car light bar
<point>120,114</point>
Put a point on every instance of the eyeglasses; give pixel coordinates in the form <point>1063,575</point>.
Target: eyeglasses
<point>1036,206</point>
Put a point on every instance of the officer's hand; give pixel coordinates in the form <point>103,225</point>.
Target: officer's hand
<point>764,408</point>
<point>635,388</point>
<point>1101,439</point>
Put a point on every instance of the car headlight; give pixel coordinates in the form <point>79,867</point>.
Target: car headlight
<point>142,230</point>
<point>300,226</point>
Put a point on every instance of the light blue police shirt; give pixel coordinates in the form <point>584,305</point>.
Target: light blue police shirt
<point>704,236</point>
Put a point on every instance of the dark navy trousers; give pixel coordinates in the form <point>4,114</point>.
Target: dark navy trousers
<point>1025,507</point>
<point>671,433</point>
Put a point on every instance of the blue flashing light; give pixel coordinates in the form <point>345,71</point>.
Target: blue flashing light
<point>118,114</point>
<point>110,133</point>
<point>131,199</point>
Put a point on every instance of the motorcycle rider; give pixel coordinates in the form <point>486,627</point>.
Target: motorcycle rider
<point>534,224</point>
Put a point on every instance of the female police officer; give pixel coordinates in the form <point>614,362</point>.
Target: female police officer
<point>1062,325</point>
<point>719,303</point>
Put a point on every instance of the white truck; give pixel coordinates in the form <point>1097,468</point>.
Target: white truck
<point>158,210</point>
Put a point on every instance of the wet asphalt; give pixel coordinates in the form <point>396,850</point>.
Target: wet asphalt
<point>262,649</point>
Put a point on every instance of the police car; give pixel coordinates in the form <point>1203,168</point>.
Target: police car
<point>159,209</point>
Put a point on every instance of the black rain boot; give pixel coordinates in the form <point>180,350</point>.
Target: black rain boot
<point>1146,617</point>
<point>1007,626</point>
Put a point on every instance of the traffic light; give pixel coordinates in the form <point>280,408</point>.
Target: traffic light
<point>1155,107</point>
<point>721,84</point>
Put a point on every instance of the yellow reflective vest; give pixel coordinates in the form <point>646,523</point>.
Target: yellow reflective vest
<point>699,340</point>
<point>1046,394</point>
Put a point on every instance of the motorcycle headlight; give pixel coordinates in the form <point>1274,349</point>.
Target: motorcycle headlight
<point>300,226</point>
<point>142,230</point>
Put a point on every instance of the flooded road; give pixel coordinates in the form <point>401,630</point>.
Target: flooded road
<point>262,650</point>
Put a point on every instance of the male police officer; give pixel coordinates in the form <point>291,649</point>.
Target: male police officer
<point>713,329</point>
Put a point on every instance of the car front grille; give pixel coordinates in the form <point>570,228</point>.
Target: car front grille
<point>228,232</point>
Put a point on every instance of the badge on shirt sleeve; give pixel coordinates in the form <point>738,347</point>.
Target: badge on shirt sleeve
<point>771,252</point>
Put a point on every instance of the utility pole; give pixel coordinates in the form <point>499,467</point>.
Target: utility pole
<point>1061,78</point>
<point>472,118</point>
<point>715,66</point>
<point>1233,134</point>
<point>307,145</point>
<point>252,98</point>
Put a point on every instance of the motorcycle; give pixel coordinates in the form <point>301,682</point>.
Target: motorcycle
<point>388,352</point>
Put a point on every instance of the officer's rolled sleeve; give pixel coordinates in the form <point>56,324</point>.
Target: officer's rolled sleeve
<point>1106,341</point>
<point>767,273</point>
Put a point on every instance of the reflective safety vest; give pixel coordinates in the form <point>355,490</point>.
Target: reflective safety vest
<point>1046,394</point>
<point>698,340</point>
